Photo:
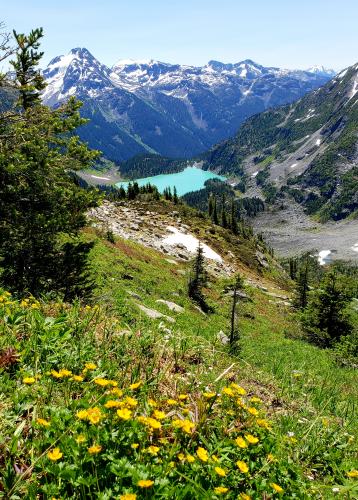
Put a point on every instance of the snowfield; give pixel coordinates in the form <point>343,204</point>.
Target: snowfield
<point>190,243</point>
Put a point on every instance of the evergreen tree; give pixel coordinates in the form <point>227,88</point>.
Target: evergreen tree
<point>175,196</point>
<point>29,81</point>
<point>326,319</point>
<point>234,334</point>
<point>223,212</point>
<point>211,205</point>
<point>233,220</point>
<point>198,280</point>
<point>41,204</point>
<point>302,289</point>
<point>215,217</point>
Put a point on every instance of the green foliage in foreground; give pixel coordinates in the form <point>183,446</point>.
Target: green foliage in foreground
<point>89,411</point>
<point>307,400</point>
<point>39,200</point>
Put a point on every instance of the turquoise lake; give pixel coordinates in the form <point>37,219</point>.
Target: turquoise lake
<point>190,179</point>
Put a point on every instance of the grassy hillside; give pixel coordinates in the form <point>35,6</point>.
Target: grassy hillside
<point>101,401</point>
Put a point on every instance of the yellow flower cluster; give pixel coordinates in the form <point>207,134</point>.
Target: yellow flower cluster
<point>185,425</point>
<point>93,415</point>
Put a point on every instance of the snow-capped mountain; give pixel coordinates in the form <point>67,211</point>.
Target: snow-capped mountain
<point>171,109</point>
<point>321,70</point>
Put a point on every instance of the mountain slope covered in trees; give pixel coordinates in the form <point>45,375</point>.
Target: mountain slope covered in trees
<point>308,150</point>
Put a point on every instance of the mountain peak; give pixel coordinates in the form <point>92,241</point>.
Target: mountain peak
<point>321,70</point>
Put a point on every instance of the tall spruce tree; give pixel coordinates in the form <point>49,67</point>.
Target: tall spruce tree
<point>234,333</point>
<point>198,280</point>
<point>302,289</point>
<point>42,208</point>
<point>326,319</point>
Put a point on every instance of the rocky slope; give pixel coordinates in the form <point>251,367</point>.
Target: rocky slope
<point>173,110</point>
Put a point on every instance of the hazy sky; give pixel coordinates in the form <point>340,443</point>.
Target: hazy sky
<point>284,33</point>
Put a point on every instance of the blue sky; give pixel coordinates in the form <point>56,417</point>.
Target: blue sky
<point>284,33</point>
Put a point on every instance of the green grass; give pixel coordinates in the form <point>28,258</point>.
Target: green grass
<point>309,399</point>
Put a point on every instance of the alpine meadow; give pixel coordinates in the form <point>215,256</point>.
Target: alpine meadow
<point>178,253</point>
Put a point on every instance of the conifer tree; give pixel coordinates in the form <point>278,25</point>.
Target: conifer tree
<point>233,220</point>
<point>326,319</point>
<point>175,196</point>
<point>215,217</point>
<point>234,334</point>
<point>29,81</point>
<point>211,205</point>
<point>41,204</point>
<point>303,285</point>
<point>223,212</point>
<point>198,280</point>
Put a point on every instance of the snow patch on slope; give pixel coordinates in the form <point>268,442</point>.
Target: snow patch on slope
<point>190,243</point>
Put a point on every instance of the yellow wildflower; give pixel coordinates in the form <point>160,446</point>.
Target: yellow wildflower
<point>251,439</point>
<point>55,454</point>
<point>93,450</point>
<point>276,487</point>
<point>43,422</point>
<point>220,471</point>
<point>117,392</point>
<point>145,483</point>
<point>202,454</point>
<point>128,401</point>
<point>186,425</point>
<point>94,415</point>
<point>128,496</point>
<point>102,382</point>
<point>228,391</point>
<point>153,423</point>
<point>253,411</point>
<point>90,366</point>
<point>261,422</point>
<point>82,414</point>
<point>159,415</point>
<point>153,450</point>
<point>124,414</point>
<point>181,456</point>
<point>171,402</point>
<point>152,403</point>
<point>244,496</point>
<point>271,458</point>
<point>242,466</point>
<point>134,446</point>
<point>135,386</point>
<point>81,439</point>
<point>77,378</point>
<point>240,390</point>
<point>352,473</point>
<point>183,397</point>
<point>215,458</point>
<point>113,404</point>
<point>241,443</point>
<point>221,490</point>
<point>190,458</point>
<point>28,380</point>
<point>64,373</point>
<point>255,399</point>
<point>209,395</point>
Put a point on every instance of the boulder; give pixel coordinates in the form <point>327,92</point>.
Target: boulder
<point>152,313</point>
<point>171,305</point>
<point>224,339</point>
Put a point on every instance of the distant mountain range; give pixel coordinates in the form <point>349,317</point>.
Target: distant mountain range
<point>306,151</point>
<point>169,109</point>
